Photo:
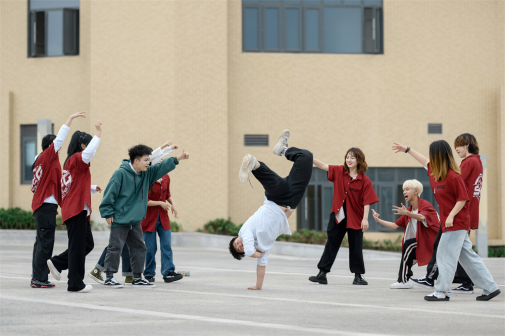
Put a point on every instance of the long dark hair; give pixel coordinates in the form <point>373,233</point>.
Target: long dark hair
<point>78,138</point>
<point>441,160</point>
<point>46,142</point>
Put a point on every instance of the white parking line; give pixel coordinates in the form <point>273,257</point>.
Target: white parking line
<point>191,317</point>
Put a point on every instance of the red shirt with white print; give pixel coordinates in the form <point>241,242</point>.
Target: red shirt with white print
<point>356,193</point>
<point>471,171</point>
<point>425,235</point>
<point>448,193</point>
<point>46,177</point>
<point>160,191</point>
<point>75,187</point>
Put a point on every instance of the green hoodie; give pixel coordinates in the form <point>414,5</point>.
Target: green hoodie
<point>125,197</point>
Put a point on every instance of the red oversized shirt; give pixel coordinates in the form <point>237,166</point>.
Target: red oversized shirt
<point>46,178</point>
<point>75,187</point>
<point>448,193</point>
<point>159,192</point>
<point>357,192</point>
<point>471,171</point>
<point>425,236</point>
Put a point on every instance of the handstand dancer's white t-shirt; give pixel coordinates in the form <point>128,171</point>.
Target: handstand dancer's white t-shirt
<point>262,229</point>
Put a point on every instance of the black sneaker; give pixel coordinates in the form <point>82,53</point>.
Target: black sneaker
<point>464,288</point>
<point>358,280</point>
<point>436,296</point>
<point>142,283</point>
<point>41,284</point>
<point>112,283</point>
<point>149,278</point>
<point>488,297</point>
<point>423,282</point>
<point>172,276</point>
<point>320,278</point>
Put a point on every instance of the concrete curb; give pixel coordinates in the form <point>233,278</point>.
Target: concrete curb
<point>198,239</point>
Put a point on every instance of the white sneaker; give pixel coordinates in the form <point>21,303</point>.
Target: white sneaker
<point>248,164</point>
<point>53,270</point>
<point>282,143</point>
<point>437,296</point>
<point>85,289</point>
<point>401,285</point>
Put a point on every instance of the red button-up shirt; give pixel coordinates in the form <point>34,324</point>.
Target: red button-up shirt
<point>357,192</point>
<point>159,192</point>
<point>471,171</point>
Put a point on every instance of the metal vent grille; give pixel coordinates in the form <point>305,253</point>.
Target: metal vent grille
<point>434,128</point>
<point>256,140</point>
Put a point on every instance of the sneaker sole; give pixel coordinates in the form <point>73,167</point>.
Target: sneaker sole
<point>144,286</point>
<point>489,297</point>
<point>101,282</point>
<point>244,172</point>
<point>401,287</point>
<point>319,282</point>
<point>421,285</point>
<point>360,284</point>
<point>39,286</point>
<point>432,298</point>
<point>280,144</point>
<point>115,287</point>
<point>53,270</point>
<point>172,279</point>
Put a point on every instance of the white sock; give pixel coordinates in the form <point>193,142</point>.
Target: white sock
<point>283,153</point>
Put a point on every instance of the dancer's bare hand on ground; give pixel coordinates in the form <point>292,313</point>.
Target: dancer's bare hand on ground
<point>164,205</point>
<point>400,211</point>
<point>254,288</point>
<point>109,220</point>
<point>399,147</point>
<point>375,216</point>
<point>183,156</point>
<point>364,224</point>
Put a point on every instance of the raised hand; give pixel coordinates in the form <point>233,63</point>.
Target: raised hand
<point>400,211</point>
<point>183,156</point>
<point>399,147</point>
<point>375,215</point>
<point>98,189</point>
<point>98,125</point>
<point>166,144</point>
<point>73,116</point>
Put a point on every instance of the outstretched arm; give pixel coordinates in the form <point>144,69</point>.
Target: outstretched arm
<point>62,133</point>
<point>387,224</point>
<point>260,276</point>
<point>321,165</point>
<point>423,160</point>
<point>90,150</point>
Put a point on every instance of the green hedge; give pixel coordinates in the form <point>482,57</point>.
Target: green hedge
<point>19,219</point>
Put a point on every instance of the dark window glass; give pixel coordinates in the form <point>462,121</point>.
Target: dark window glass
<point>271,28</point>
<point>292,29</point>
<point>372,2</point>
<point>312,29</point>
<point>28,152</point>
<point>251,28</point>
<point>386,174</point>
<point>352,2</point>
<point>55,33</point>
<point>53,4</point>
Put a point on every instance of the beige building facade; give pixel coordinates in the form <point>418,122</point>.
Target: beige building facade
<point>176,69</point>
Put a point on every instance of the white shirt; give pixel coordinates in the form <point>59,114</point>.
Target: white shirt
<point>86,156</point>
<point>262,229</point>
<point>411,229</point>
<point>159,154</point>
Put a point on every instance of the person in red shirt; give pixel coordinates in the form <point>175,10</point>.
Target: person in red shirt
<point>46,190</point>
<point>452,197</point>
<point>157,221</point>
<point>420,223</point>
<point>353,194</point>
<point>76,190</point>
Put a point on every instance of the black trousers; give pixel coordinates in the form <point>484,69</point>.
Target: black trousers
<point>336,233</point>
<point>408,257</point>
<point>432,268</point>
<point>45,216</point>
<point>287,191</point>
<point>80,243</point>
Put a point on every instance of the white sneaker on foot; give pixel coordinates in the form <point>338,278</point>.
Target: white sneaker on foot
<point>85,289</point>
<point>248,164</point>
<point>54,272</point>
<point>401,285</point>
<point>282,143</point>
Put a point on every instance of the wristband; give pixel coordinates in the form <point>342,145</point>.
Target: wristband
<point>406,151</point>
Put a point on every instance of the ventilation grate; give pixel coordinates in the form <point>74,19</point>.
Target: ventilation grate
<point>434,128</point>
<point>256,140</point>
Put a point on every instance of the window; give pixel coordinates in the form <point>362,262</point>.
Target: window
<point>434,128</point>
<point>53,28</point>
<point>313,26</point>
<point>314,210</point>
<point>256,140</point>
<point>28,151</point>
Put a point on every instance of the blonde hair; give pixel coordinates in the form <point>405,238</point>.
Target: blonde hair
<point>414,184</point>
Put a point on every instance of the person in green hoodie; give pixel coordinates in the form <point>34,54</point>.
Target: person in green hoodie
<point>124,206</point>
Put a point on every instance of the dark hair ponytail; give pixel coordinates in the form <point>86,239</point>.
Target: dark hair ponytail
<point>78,138</point>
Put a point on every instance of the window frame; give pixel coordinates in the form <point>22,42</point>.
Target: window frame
<point>24,137</point>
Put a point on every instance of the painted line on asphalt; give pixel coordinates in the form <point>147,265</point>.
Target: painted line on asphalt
<point>190,317</point>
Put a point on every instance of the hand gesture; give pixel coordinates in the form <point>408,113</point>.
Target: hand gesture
<point>109,220</point>
<point>174,211</point>
<point>166,144</point>
<point>399,147</point>
<point>364,224</point>
<point>254,288</point>
<point>183,156</point>
<point>449,222</point>
<point>98,125</point>
<point>164,205</point>
<point>98,189</point>
<point>174,146</point>
<point>400,211</point>
<point>375,216</point>
<point>77,115</point>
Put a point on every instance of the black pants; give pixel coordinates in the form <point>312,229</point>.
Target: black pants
<point>336,233</point>
<point>80,243</point>
<point>432,269</point>
<point>287,191</point>
<point>408,257</point>
<point>45,216</point>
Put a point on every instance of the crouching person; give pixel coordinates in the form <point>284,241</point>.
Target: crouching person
<point>420,223</point>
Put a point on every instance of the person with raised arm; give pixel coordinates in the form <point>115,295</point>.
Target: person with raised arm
<point>353,194</point>
<point>76,190</point>
<point>420,223</point>
<point>124,206</point>
<point>46,188</point>
<point>451,195</point>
